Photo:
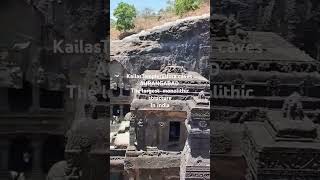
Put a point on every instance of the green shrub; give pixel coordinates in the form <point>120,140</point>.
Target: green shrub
<point>125,14</point>
<point>183,6</point>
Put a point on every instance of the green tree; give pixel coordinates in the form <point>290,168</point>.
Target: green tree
<point>125,14</point>
<point>183,6</point>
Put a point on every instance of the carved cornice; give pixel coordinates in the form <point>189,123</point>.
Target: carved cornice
<point>197,172</point>
<point>268,66</point>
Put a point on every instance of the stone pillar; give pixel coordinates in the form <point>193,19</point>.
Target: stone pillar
<point>162,142</point>
<point>121,91</point>
<point>111,110</point>
<point>318,52</point>
<point>35,98</point>
<point>141,133</point>
<point>4,156</point>
<point>4,103</point>
<point>121,111</point>
<point>36,172</point>
<point>132,131</point>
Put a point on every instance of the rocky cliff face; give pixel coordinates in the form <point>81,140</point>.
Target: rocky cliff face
<point>184,42</point>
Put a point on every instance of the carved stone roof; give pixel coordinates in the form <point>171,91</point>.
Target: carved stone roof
<point>200,102</point>
<point>258,54</point>
<point>262,137</point>
<point>288,128</point>
<point>274,48</point>
<point>266,152</point>
<point>263,76</point>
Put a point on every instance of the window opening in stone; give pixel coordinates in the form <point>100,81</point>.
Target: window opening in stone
<point>174,131</point>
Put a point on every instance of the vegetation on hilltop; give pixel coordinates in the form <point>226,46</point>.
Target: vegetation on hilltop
<point>183,6</point>
<point>148,18</point>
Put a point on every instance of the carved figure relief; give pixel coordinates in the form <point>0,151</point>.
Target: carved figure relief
<point>292,107</point>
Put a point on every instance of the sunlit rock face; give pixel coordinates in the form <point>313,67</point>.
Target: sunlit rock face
<point>184,42</point>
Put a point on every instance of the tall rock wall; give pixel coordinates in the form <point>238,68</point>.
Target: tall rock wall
<point>184,42</point>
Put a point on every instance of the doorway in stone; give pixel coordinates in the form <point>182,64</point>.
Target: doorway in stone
<point>174,131</point>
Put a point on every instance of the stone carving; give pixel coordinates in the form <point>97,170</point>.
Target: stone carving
<point>89,109</point>
<point>128,164</point>
<point>140,133</point>
<point>292,107</point>
<point>174,69</point>
<point>83,18</point>
<point>316,117</point>
<point>197,175</point>
<point>226,116</point>
<point>62,170</point>
<point>203,124</point>
<point>140,123</point>
<point>49,80</point>
<point>252,115</point>
<point>278,158</point>
<point>305,86</point>
<point>85,137</point>
<point>77,141</point>
<point>38,73</point>
<point>228,28</point>
<point>296,159</point>
<point>162,124</point>
<point>16,77</point>
<point>239,80</point>
<point>56,81</point>
<point>201,95</point>
<point>226,66</point>
<point>115,158</point>
<point>220,143</point>
<point>52,81</point>
<point>201,115</point>
<point>273,86</point>
<point>162,67</point>
<point>96,85</point>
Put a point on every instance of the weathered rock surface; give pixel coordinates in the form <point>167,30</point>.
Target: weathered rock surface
<point>184,42</point>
